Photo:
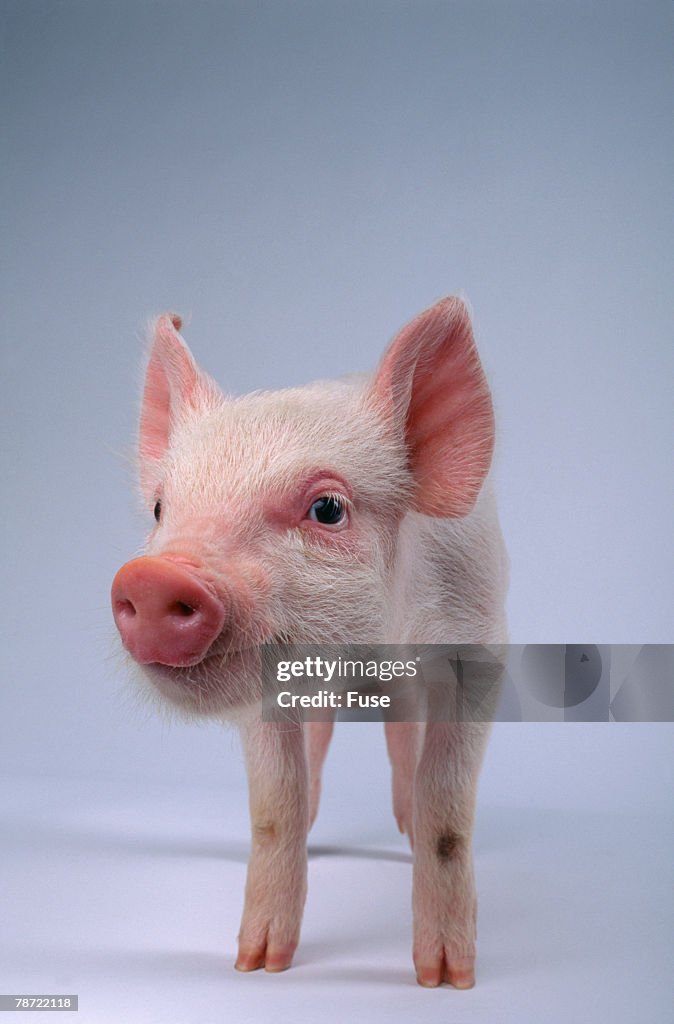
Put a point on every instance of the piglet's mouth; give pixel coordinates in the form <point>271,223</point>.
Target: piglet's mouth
<point>219,683</point>
<point>223,661</point>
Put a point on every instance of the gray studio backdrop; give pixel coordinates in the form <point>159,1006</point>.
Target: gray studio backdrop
<point>298,180</point>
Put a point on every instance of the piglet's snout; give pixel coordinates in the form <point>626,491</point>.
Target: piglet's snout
<point>165,614</point>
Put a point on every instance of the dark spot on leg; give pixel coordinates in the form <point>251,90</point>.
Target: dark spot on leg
<point>447,845</point>
<point>264,832</point>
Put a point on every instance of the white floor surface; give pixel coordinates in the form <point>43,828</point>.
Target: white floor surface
<point>128,893</point>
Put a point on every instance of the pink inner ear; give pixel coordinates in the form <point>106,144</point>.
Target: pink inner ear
<point>434,387</point>
<point>170,381</point>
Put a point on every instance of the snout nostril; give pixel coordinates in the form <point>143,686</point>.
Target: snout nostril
<point>182,608</point>
<point>125,608</point>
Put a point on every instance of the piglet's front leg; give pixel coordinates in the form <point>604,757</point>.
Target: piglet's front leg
<point>276,885</point>
<point>444,898</point>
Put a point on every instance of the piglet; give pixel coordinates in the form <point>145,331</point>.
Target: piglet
<point>350,511</point>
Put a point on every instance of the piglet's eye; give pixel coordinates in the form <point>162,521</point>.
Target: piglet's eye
<point>157,511</point>
<point>328,510</point>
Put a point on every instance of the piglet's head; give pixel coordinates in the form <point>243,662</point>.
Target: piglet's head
<point>277,516</point>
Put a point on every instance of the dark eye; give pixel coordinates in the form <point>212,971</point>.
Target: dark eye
<point>328,510</point>
<point>157,511</point>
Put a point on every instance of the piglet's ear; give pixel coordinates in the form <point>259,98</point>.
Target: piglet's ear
<point>431,388</point>
<point>173,385</point>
